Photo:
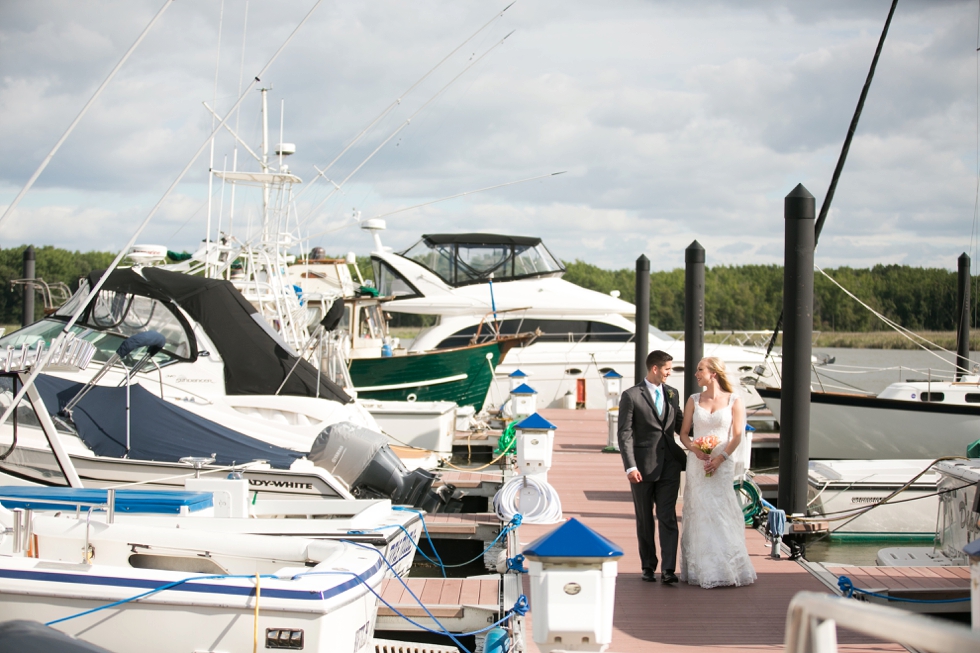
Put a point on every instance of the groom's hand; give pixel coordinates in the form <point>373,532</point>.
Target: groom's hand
<point>634,476</point>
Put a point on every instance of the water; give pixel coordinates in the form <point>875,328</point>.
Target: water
<point>863,552</point>
<point>872,370</point>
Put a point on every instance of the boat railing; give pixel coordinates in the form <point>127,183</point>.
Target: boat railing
<point>738,337</point>
<point>813,618</point>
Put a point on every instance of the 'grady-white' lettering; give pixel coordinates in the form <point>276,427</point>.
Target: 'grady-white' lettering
<point>293,485</point>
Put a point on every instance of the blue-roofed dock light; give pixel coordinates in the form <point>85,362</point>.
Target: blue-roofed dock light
<point>613,383</point>
<point>523,401</point>
<point>517,378</point>
<point>535,439</point>
<point>572,571</point>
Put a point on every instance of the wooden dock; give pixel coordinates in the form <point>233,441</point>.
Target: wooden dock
<point>677,618</point>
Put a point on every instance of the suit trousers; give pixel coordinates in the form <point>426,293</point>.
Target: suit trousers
<point>655,505</point>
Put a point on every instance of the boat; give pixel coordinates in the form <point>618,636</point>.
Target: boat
<point>482,286</point>
<point>848,493</point>
<point>863,427</point>
<point>196,396</point>
<point>379,368</point>
<point>113,583</point>
<point>958,522</point>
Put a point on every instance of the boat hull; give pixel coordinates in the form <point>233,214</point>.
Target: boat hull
<point>461,375</point>
<point>859,427</point>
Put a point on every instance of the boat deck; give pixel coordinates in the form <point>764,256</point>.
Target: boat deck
<point>483,483</point>
<point>677,618</point>
<point>465,525</point>
<point>915,583</point>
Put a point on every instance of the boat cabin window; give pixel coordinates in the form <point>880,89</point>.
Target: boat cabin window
<point>391,283</point>
<point>551,331</point>
<point>463,259</point>
<point>932,396</point>
<point>972,397</point>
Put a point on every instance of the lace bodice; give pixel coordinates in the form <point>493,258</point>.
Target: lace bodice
<point>717,423</point>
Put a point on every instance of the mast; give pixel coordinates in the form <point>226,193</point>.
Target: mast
<point>265,163</point>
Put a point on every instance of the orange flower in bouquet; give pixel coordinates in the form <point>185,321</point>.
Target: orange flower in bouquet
<point>707,444</point>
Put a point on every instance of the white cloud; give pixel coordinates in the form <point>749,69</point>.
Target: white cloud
<point>676,121</point>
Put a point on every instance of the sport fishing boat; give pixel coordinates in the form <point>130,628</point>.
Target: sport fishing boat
<point>112,583</point>
<point>481,286</point>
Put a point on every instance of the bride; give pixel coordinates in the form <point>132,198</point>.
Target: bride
<point>713,550</point>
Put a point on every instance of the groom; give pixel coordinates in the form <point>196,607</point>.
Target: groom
<point>649,415</point>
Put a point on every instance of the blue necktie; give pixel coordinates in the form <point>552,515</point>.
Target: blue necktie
<point>658,401</point>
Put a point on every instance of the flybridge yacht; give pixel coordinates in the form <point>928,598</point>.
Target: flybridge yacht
<point>479,285</point>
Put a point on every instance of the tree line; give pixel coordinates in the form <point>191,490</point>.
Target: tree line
<point>749,297</point>
<point>744,297</point>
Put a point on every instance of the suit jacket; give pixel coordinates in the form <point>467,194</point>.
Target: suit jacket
<point>646,440</point>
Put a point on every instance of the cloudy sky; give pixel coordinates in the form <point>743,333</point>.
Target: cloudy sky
<point>674,120</point>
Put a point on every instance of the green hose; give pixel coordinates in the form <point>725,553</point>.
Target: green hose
<point>753,495</point>
<point>506,441</point>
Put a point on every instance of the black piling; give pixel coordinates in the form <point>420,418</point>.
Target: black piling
<point>963,328</point>
<point>794,432</point>
<point>642,315</point>
<point>28,314</point>
<point>693,315</point>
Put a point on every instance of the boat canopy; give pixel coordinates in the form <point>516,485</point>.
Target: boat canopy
<point>159,430</point>
<point>256,359</point>
<point>464,259</point>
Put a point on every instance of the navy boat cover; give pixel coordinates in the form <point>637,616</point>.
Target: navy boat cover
<point>159,430</point>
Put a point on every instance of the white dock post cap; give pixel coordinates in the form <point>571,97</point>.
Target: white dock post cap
<point>572,571</point>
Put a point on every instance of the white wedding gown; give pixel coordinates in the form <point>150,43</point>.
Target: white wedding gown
<point>713,550</point>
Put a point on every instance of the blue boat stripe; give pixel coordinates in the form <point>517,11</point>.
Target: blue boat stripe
<point>191,586</point>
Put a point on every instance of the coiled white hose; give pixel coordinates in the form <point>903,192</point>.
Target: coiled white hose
<point>545,509</point>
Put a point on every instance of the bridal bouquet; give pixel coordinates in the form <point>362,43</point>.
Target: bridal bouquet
<point>707,444</point>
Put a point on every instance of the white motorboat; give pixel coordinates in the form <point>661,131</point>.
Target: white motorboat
<point>393,532</point>
<point>200,396</point>
<point>958,523</point>
<point>481,285</point>
<point>866,427</point>
<point>112,584</point>
<point>848,493</point>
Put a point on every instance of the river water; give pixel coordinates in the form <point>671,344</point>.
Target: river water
<point>871,370</point>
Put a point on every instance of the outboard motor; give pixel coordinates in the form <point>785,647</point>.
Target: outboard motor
<point>362,459</point>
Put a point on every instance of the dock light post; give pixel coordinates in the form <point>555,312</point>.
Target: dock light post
<point>613,383</point>
<point>572,572</point>
<point>642,315</point>
<point>693,315</point>
<point>794,433</point>
<point>28,317</point>
<point>963,328</point>
<point>523,401</point>
<point>517,378</point>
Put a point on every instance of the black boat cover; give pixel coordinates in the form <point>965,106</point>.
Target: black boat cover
<point>159,430</point>
<point>256,359</point>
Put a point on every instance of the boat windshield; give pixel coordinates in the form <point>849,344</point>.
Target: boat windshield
<point>463,259</point>
<point>113,317</point>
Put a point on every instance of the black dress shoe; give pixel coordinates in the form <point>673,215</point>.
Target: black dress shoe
<point>648,576</point>
<point>668,578</point>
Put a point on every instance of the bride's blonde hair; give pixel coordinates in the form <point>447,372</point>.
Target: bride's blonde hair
<point>717,366</point>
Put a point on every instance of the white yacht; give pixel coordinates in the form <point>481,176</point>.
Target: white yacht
<point>479,285</point>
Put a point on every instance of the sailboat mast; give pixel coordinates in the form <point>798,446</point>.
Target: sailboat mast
<point>265,163</point>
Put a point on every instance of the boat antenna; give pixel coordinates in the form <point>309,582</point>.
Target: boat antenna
<point>405,124</point>
<point>829,197</point>
<point>71,127</point>
<point>214,100</point>
<point>398,100</point>
<point>57,344</point>
<point>442,199</point>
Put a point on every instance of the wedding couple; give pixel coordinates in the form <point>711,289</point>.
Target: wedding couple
<point>713,549</point>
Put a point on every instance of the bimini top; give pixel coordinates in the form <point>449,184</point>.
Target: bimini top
<point>464,259</point>
<point>256,359</point>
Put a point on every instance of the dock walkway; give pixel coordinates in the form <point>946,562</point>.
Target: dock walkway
<point>678,618</point>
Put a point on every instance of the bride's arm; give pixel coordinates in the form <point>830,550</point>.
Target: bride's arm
<point>686,430</point>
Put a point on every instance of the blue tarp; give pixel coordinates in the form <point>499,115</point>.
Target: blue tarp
<point>159,430</point>
<point>162,502</point>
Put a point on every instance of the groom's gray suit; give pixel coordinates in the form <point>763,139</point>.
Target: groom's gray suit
<point>646,441</point>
